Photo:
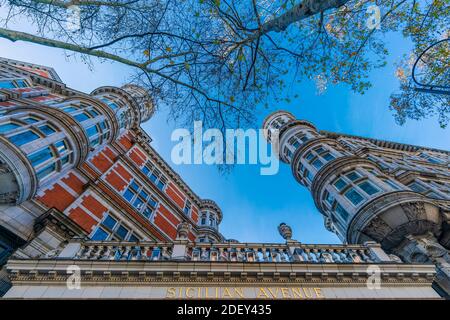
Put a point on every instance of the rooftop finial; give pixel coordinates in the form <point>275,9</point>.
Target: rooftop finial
<point>285,231</point>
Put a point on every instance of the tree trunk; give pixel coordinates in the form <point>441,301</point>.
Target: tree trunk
<point>299,12</point>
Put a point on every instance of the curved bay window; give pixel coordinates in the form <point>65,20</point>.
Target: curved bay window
<point>46,147</point>
<point>120,109</point>
<point>208,219</point>
<point>93,121</point>
<point>313,161</point>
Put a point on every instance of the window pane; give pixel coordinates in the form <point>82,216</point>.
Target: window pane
<point>138,203</point>
<point>93,113</point>
<point>354,196</point>
<point>329,198</point>
<point>21,83</point>
<point>340,184</point>
<point>393,185</point>
<point>353,176</point>
<point>95,142</point>
<point>307,175</point>
<point>133,238</point>
<point>152,202</point>
<point>23,138</point>
<point>110,222</point>
<point>341,211</point>
<point>6,127</point>
<point>145,170</point>
<point>64,160</point>
<point>128,195</point>
<point>416,187</point>
<point>30,120</point>
<point>46,171</point>
<point>143,194</point>
<point>40,156</point>
<point>92,131</point>
<point>122,232</point>
<point>61,146</point>
<point>320,150</point>
<point>317,164</point>
<point>160,185</point>
<point>46,130</point>
<point>368,188</point>
<point>434,195</point>
<point>81,117</point>
<point>6,84</point>
<point>309,156</point>
<point>328,156</point>
<point>147,212</point>
<point>100,235</point>
<point>134,186</point>
<point>70,109</point>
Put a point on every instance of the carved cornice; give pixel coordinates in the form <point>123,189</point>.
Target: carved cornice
<point>179,273</point>
<point>295,123</point>
<point>210,231</point>
<point>274,115</point>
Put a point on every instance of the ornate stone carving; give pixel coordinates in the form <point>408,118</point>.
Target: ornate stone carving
<point>395,258</point>
<point>377,229</point>
<point>414,210</point>
<point>183,230</point>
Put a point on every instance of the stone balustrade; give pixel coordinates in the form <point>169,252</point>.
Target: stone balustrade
<point>291,251</point>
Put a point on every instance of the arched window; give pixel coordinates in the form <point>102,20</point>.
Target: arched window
<point>203,219</point>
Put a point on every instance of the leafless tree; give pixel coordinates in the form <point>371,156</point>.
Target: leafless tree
<point>222,61</point>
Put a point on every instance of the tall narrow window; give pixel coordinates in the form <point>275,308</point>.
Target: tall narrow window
<point>187,208</point>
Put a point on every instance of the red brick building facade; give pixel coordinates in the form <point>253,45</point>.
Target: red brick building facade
<point>86,156</point>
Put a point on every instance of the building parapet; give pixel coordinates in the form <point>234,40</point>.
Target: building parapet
<point>290,252</point>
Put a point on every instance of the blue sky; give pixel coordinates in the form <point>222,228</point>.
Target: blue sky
<point>254,205</point>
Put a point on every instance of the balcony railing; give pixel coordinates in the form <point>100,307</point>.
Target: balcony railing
<point>220,252</point>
